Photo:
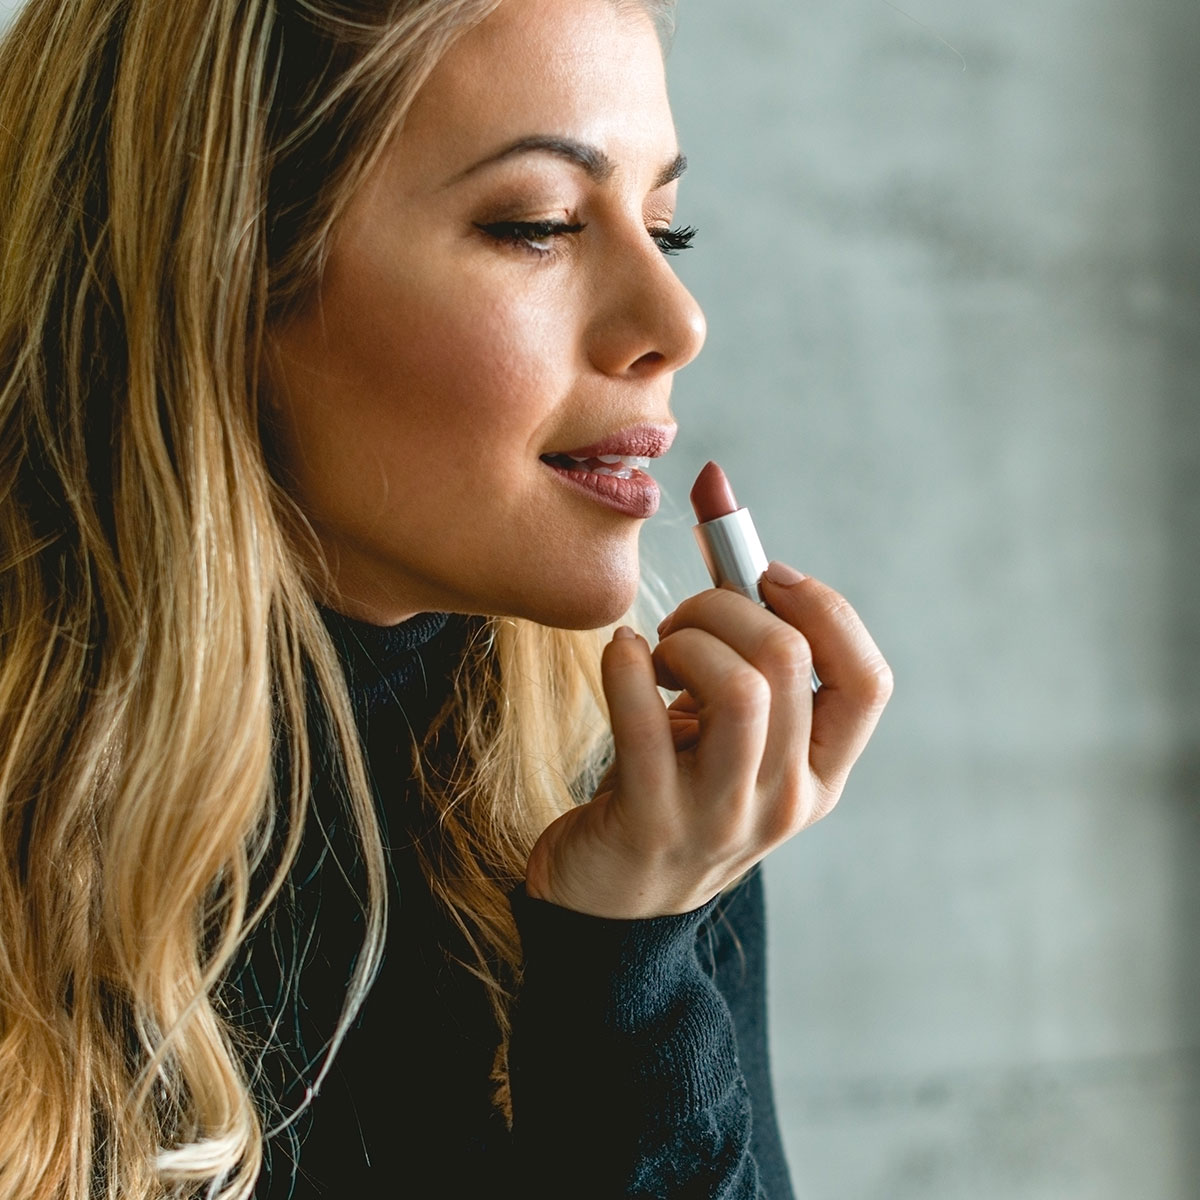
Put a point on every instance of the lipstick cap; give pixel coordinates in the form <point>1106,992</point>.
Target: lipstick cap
<point>733,553</point>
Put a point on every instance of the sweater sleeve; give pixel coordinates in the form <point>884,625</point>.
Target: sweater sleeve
<point>624,1062</point>
<point>732,945</point>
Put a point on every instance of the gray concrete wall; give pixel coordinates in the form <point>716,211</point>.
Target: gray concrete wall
<point>953,363</point>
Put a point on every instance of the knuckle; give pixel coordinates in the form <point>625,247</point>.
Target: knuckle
<point>691,607</point>
<point>876,685</point>
<point>827,799</point>
<point>819,811</point>
<point>746,693</point>
<point>785,651</point>
<point>796,807</point>
<point>785,820</point>
<point>821,804</point>
<point>839,610</point>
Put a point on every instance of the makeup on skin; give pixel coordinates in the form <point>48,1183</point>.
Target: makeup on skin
<point>615,471</point>
<point>483,375</point>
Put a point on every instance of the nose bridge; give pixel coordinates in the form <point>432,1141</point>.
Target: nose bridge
<point>649,319</point>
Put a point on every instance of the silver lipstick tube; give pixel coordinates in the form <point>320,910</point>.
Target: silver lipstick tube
<point>733,553</point>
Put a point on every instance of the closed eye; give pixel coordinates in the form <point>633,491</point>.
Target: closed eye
<point>538,236</point>
<point>535,236</point>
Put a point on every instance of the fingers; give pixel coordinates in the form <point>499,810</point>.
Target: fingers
<point>856,681</point>
<point>642,736</point>
<point>779,653</point>
<point>683,712</point>
<point>730,706</point>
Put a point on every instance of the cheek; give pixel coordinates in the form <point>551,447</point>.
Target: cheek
<point>446,370</point>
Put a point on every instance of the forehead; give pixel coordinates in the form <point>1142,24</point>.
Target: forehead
<point>586,69</point>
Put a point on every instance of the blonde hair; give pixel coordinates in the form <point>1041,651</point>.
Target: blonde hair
<point>168,182</point>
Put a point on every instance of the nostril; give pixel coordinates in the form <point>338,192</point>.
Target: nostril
<point>652,358</point>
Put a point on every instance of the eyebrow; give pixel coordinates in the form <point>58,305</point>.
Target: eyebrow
<point>596,164</point>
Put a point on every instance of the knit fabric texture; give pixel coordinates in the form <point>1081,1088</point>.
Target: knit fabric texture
<point>638,1062</point>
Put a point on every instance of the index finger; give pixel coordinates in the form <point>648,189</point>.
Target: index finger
<point>856,681</point>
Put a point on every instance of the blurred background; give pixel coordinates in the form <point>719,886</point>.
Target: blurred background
<point>949,254</point>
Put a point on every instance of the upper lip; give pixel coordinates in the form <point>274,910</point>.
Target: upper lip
<point>636,441</point>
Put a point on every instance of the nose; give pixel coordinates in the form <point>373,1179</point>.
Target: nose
<point>646,323</point>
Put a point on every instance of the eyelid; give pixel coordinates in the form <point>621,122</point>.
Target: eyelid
<point>544,228</point>
<point>524,235</point>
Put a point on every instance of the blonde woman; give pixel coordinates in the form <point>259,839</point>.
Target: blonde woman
<point>347,850</point>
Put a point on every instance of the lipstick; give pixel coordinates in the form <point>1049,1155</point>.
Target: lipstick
<point>615,470</point>
<point>728,540</point>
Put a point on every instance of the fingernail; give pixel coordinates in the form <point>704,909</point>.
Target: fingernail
<point>783,575</point>
<point>622,632</point>
<point>665,624</point>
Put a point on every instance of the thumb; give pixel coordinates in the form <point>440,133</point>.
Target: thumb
<point>645,751</point>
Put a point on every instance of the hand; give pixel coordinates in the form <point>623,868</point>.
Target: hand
<point>744,758</point>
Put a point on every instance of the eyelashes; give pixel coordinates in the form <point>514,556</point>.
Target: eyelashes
<point>539,237</point>
<point>671,241</point>
<point>535,236</point>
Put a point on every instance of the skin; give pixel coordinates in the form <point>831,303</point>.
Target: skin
<point>439,363</point>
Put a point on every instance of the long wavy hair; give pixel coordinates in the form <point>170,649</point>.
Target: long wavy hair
<point>169,180</point>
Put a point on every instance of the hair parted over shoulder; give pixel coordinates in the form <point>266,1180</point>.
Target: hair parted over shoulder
<point>169,180</point>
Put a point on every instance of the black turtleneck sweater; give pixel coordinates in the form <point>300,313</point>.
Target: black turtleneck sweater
<point>638,1059</point>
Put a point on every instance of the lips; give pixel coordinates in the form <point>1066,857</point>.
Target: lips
<point>638,441</point>
<point>620,465</point>
<point>612,471</point>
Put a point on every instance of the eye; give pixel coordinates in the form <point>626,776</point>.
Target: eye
<point>535,236</point>
<point>671,241</point>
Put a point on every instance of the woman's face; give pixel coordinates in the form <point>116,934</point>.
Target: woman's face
<point>497,293</point>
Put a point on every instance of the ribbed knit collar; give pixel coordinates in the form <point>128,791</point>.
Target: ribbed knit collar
<point>384,663</point>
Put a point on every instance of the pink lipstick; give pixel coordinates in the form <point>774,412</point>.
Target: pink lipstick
<point>636,496</point>
<point>615,469</point>
<point>728,540</point>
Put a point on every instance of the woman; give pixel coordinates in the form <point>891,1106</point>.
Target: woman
<point>323,873</point>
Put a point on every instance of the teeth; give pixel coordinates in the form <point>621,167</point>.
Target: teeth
<point>631,462</point>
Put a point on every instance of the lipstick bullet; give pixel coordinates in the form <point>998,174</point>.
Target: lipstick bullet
<point>728,541</point>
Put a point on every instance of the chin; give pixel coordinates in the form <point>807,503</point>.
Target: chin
<point>592,611</point>
<point>602,598</point>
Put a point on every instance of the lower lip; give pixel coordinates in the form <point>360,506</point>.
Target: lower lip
<point>635,497</point>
